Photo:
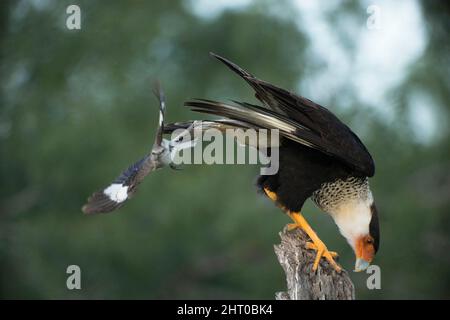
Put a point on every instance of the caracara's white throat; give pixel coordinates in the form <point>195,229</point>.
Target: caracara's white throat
<point>353,218</point>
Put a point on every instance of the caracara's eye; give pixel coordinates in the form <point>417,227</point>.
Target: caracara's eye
<point>369,241</point>
<point>180,139</point>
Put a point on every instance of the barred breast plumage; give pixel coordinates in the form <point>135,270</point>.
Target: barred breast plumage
<point>331,194</point>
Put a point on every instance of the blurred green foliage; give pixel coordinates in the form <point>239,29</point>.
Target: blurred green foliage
<point>76,108</point>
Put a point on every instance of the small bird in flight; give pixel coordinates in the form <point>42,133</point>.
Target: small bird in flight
<point>319,158</point>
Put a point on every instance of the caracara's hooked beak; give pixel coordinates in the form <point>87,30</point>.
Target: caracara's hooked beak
<point>361,264</point>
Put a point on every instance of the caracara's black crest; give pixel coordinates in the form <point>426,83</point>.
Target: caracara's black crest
<point>374,227</point>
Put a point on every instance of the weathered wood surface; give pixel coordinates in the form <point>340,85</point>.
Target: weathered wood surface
<point>302,282</point>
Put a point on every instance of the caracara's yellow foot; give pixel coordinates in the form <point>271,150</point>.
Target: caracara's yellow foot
<point>312,246</point>
<point>316,244</point>
<point>292,226</point>
<point>322,251</point>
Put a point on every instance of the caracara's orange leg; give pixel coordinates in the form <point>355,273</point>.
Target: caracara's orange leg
<point>317,244</point>
<point>272,195</point>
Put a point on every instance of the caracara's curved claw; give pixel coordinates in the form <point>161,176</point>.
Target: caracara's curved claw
<point>312,246</point>
<point>316,244</point>
<point>322,251</point>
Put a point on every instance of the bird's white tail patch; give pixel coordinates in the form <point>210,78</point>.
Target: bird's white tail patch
<point>117,192</point>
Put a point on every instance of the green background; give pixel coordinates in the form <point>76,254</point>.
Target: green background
<point>76,108</point>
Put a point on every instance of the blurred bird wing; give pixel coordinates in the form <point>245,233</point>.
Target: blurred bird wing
<point>114,196</point>
<point>124,186</point>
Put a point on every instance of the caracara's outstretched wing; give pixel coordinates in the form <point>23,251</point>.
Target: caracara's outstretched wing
<point>114,196</point>
<point>319,127</point>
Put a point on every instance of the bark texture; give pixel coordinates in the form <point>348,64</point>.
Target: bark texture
<point>302,282</point>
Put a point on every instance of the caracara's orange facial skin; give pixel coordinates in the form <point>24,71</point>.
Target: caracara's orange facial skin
<point>364,248</point>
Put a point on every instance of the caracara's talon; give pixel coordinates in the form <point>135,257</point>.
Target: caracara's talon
<point>333,254</point>
<point>292,226</point>
<point>322,251</point>
<point>312,246</point>
<point>316,243</point>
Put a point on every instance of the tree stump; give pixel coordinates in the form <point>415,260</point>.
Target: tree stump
<point>302,282</point>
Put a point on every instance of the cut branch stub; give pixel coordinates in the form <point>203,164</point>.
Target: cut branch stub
<point>302,282</point>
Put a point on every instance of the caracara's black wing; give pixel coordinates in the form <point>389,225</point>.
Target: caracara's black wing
<point>321,128</point>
